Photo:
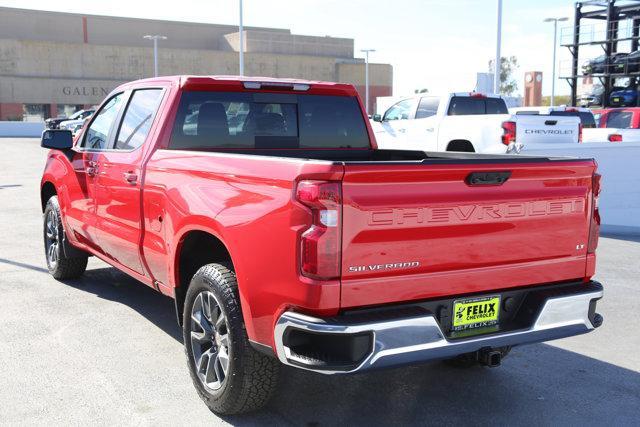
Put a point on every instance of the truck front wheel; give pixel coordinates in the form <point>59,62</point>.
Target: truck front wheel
<point>59,264</point>
<point>229,375</point>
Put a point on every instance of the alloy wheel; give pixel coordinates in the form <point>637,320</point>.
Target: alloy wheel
<point>209,332</point>
<point>52,241</point>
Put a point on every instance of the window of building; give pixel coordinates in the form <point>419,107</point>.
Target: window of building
<point>67,110</point>
<point>36,112</point>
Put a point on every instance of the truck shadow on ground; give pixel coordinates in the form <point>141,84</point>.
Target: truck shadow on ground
<point>537,384</point>
<point>111,284</point>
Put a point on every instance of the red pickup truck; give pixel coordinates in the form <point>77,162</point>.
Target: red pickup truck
<point>264,209</point>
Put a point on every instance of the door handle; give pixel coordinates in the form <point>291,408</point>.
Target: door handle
<point>92,168</point>
<point>429,129</point>
<point>402,130</point>
<point>130,177</point>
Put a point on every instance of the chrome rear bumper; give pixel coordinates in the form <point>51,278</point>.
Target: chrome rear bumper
<point>415,339</point>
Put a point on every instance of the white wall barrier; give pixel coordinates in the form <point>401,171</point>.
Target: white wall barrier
<point>21,129</point>
<point>619,165</point>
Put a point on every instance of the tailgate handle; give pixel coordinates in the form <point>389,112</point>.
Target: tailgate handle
<point>488,178</point>
<point>551,122</point>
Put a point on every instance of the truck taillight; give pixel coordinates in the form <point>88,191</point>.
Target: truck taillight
<point>509,132</point>
<point>580,127</point>
<point>320,244</point>
<point>594,229</point>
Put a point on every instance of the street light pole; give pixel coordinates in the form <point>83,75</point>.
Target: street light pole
<point>366,77</point>
<point>555,36</point>
<point>241,32</point>
<point>155,39</point>
<point>497,65</point>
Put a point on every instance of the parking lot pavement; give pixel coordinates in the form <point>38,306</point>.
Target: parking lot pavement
<point>106,349</point>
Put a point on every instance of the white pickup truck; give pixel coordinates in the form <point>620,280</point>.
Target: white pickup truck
<point>462,121</point>
<point>470,122</point>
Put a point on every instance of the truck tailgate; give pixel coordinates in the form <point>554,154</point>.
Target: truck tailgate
<point>544,129</point>
<point>418,231</point>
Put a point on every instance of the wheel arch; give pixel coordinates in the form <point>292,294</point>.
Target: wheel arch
<point>47,190</point>
<point>196,247</point>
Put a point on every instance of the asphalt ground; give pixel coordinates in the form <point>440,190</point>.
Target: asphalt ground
<point>106,350</point>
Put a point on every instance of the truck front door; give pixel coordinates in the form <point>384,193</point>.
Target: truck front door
<point>394,125</point>
<point>81,211</point>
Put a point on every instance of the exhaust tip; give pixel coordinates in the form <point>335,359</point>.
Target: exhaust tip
<point>597,320</point>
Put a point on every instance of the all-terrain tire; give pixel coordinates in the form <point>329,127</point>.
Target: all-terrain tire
<point>60,266</point>
<point>251,377</point>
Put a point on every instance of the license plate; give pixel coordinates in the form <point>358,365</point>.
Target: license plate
<point>471,313</point>
<point>616,99</point>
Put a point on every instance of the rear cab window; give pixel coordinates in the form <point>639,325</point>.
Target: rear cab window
<point>619,119</point>
<point>586,117</point>
<point>238,120</point>
<point>472,105</point>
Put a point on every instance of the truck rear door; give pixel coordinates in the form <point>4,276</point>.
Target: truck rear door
<point>418,231</point>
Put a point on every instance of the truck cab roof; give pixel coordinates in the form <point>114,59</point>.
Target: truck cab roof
<point>235,83</point>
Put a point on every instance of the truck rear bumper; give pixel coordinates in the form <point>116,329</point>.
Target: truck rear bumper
<point>347,345</point>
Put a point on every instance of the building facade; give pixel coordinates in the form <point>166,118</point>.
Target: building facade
<point>53,63</point>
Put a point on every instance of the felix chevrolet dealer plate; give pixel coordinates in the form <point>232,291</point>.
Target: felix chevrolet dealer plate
<point>479,312</point>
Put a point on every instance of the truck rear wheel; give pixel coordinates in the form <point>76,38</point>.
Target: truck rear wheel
<point>60,265</point>
<point>229,375</point>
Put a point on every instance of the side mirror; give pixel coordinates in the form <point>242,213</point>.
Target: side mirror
<point>57,139</point>
<point>377,118</point>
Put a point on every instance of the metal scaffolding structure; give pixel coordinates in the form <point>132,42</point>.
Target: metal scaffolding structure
<point>612,13</point>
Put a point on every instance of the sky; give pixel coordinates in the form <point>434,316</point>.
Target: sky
<point>435,44</point>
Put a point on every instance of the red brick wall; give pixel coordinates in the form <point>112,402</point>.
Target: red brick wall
<point>53,110</point>
<point>11,111</point>
<point>374,92</point>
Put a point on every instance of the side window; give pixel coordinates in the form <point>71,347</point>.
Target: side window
<point>138,118</point>
<point>427,107</point>
<point>400,111</point>
<point>97,135</point>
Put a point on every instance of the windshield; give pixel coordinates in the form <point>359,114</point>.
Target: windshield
<point>232,120</point>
